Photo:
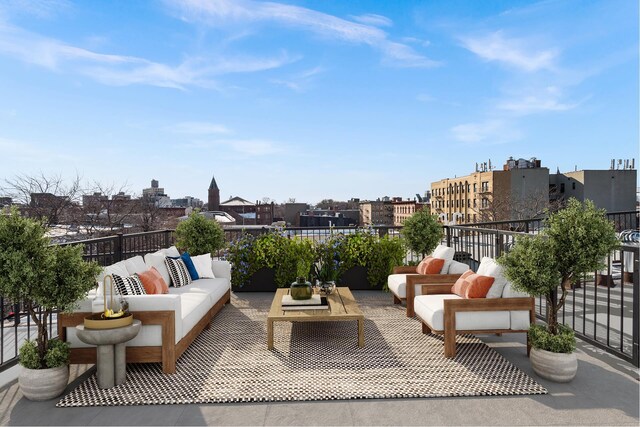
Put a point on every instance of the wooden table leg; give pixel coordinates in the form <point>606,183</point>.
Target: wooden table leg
<point>269,334</point>
<point>360,332</point>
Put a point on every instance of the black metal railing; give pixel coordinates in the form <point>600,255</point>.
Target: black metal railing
<point>603,310</point>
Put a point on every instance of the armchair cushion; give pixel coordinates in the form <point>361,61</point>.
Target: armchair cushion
<point>156,260</point>
<point>457,267</point>
<point>519,319</point>
<point>430,308</point>
<point>397,284</point>
<point>135,265</point>
<point>446,253</point>
<point>489,267</point>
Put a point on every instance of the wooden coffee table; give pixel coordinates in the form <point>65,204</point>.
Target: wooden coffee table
<point>342,307</point>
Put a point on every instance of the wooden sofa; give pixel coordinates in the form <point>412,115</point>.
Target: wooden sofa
<point>170,322</point>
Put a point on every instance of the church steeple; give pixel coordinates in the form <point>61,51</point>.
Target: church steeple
<point>214,195</point>
<point>213,185</point>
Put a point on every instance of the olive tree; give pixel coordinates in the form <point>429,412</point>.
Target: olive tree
<point>422,232</point>
<point>574,241</point>
<point>42,277</point>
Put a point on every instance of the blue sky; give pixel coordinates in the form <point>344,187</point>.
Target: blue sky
<point>312,99</point>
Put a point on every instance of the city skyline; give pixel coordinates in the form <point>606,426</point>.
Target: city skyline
<point>313,99</point>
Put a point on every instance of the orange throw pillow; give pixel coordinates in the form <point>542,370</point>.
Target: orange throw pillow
<point>430,265</point>
<point>479,286</point>
<point>460,287</point>
<point>153,282</point>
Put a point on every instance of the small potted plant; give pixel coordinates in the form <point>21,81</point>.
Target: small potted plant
<point>44,279</point>
<point>573,242</point>
<point>325,269</point>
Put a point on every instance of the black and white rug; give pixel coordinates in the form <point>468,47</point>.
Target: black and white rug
<point>313,361</point>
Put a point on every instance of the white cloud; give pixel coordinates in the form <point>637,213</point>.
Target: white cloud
<point>514,52</point>
<point>425,97</point>
<point>38,8</point>
<point>223,12</point>
<point>200,128</point>
<point>490,131</point>
<point>545,100</point>
<point>121,70</point>
<point>373,19</point>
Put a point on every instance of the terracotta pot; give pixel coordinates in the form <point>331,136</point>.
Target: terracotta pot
<point>557,367</point>
<point>43,384</point>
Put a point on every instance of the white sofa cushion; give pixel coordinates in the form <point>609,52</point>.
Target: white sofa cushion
<point>489,267</point>
<point>194,307</point>
<point>135,265</point>
<point>457,267</point>
<point>214,288</point>
<point>519,319</point>
<point>172,252</point>
<point>446,253</point>
<point>221,269</point>
<point>118,268</point>
<point>430,308</point>
<point>202,263</point>
<point>156,260</point>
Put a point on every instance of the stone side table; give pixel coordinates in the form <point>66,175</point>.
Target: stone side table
<point>111,359</point>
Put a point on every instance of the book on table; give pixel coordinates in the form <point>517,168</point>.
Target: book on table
<point>316,302</point>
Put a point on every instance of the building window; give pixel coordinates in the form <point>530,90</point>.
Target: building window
<point>485,186</point>
<point>485,202</point>
<point>475,187</point>
<point>475,203</point>
<point>573,185</point>
<point>562,187</point>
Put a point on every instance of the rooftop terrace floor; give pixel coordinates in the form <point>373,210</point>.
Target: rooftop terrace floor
<point>606,391</point>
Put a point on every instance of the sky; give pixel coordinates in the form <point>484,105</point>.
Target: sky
<point>312,99</point>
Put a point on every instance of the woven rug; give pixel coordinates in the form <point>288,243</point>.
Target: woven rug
<point>313,361</point>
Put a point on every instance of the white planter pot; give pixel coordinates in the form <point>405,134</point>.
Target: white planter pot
<point>43,384</point>
<point>557,367</point>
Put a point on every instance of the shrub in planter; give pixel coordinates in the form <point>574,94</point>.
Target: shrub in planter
<point>199,235</point>
<point>422,232</point>
<point>288,258</point>
<point>367,250</point>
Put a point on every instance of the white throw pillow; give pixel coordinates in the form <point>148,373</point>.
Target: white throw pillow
<point>172,252</point>
<point>157,260</point>
<point>118,268</point>
<point>202,263</point>
<point>457,267</point>
<point>135,265</point>
<point>446,253</point>
<point>489,267</point>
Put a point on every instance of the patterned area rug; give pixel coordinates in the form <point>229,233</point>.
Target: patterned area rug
<point>313,361</point>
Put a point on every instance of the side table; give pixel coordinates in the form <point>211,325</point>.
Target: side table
<point>111,361</point>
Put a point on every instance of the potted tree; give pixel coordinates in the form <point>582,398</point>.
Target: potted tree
<point>44,279</point>
<point>422,232</point>
<point>574,241</point>
<point>199,235</point>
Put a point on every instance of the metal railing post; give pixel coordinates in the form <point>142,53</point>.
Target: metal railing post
<point>448,230</point>
<point>117,247</point>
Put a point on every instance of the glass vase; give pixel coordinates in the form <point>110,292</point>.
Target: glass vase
<point>301,289</point>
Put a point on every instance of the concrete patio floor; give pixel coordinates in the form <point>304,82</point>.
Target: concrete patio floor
<point>606,391</point>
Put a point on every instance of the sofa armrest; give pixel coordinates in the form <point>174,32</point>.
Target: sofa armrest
<point>221,269</point>
<point>489,304</point>
<point>426,279</point>
<point>440,288</point>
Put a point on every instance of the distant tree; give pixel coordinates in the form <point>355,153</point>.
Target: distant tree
<point>291,200</point>
<point>45,197</point>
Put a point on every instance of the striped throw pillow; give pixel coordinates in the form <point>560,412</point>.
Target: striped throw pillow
<point>130,285</point>
<point>178,272</point>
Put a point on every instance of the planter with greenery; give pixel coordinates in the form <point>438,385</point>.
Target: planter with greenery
<point>269,255</point>
<point>422,232</point>
<point>199,235</point>
<point>574,241</point>
<point>365,260</point>
<point>44,279</point>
